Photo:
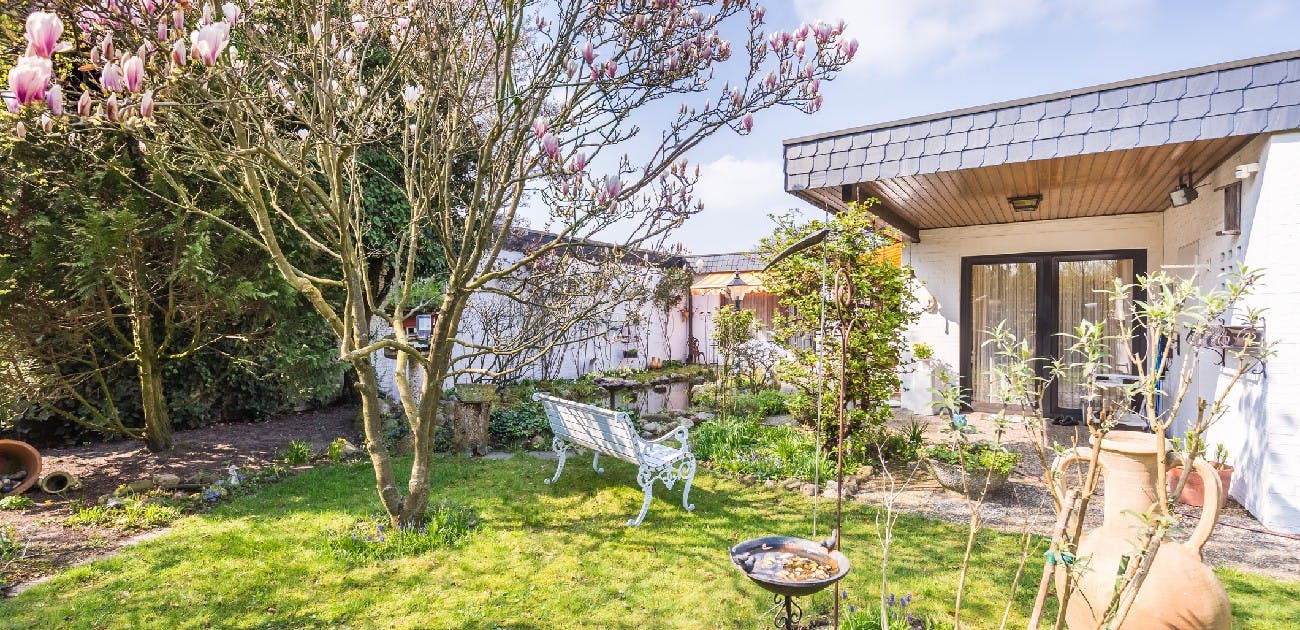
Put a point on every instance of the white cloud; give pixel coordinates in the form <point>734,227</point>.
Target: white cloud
<point>898,36</point>
<point>738,194</point>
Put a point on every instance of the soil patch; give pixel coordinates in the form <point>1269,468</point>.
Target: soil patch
<point>51,545</point>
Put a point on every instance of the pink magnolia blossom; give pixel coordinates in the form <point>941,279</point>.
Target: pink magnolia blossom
<point>799,49</point>
<point>232,13</point>
<point>737,97</point>
<point>54,98</point>
<point>823,32</point>
<point>757,15</point>
<point>411,95</point>
<point>43,32</point>
<point>770,81</point>
<point>748,122</point>
<point>360,23</point>
<point>801,33</point>
<point>20,130</point>
<point>178,53</point>
<point>11,103</point>
<point>588,53</point>
<point>178,19</point>
<point>111,78</point>
<point>611,68</point>
<point>551,146</point>
<point>29,78</point>
<point>106,47</point>
<point>133,73</point>
<point>162,30</point>
<point>149,6</point>
<point>147,105</point>
<point>207,43</point>
<point>110,107</point>
<point>579,163</point>
<point>83,105</point>
<point>47,122</point>
<point>613,186</point>
<point>849,48</point>
<point>540,127</point>
<point>207,15</point>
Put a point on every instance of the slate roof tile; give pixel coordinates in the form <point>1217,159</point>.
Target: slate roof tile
<point>1184,130</point>
<point>954,142</point>
<point>879,137</point>
<point>820,162</point>
<point>1249,122</point>
<point>913,148</point>
<point>1171,89</point>
<point>1288,93</point>
<point>861,140</point>
<point>1110,99</point>
<point>792,151</point>
<point>1096,141</point>
<point>889,169</point>
<point>825,146</point>
<point>928,164</point>
<point>1000,135</point>
<point>1268,74</point>
<point>934,145</point>
<point>842,143</point>
<point>977,138</point>
<point>1162,111</point>
<point>962,123</point>
<point>893,152</point>
<point>796,182</point>
<point>1131,116</point>
<point>1201,84</point>
<point>1293,70</point>
<point>1141,94</point>
<point>983,120</point>
<point>1216,126</point>
<point>1234,79</point>
<point>870,171</point>
<point>1043,149</point>
<point>1070,145</point>
<point>1283,118</point>
<point>834,177</point>
<point>798,165</point>
<point>1259,97</point>
<point>950,161</point>
<point>1083,103</point>
<point>1153,134</point>
<point>940,127</point>
<point>839,159</point>
<point>1032,111</point>
<point>1077,123</point>
<point>995,155</point>
<point>817,179</point>
<point>1105,119</point>
<point>1193,107</point>
<point>1125,138</point>
<point>1019,152</point>
<point>1024,131</point>
<point>1008,116</point>
<point>1058,107</point>
<point>909,166</point>
<point>1225,102</point>
<point>1051,127</point>
<point>875,155</point>
<point>972,158</point>
<point>857,156</point>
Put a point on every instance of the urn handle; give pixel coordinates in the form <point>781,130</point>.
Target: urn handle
<point>1063,461</point>
<point>1210,507</point>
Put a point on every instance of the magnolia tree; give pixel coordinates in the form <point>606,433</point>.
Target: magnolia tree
<point>489,106</point>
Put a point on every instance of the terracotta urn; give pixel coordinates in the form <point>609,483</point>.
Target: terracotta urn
<point>1180,592</point>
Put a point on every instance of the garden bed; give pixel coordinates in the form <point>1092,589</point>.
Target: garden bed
<point>51,544</point>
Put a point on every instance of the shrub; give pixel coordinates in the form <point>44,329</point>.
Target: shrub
<point>511,425</point>
<point>12,550</point>
<point>881,444</point>
<point>16,502</point>
<point>979,456</point>
<point>768,402</point>
<point>296,453</point>
<point>371,539</point>
<point>132,514</point>
<point>742,445</point>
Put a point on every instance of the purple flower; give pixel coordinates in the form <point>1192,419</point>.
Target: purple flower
<point>29,78</point>
<point>43,31</point>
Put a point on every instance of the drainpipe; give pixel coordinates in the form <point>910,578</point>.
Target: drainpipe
<point>690,314</point>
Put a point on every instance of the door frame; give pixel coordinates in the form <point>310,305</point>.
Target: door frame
<point>1047,313</point>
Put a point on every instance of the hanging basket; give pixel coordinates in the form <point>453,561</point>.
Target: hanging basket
<point>950,477</point>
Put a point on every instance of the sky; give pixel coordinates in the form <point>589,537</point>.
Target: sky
<point>926,56</point>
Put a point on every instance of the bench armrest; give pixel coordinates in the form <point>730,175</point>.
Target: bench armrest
<point>678,433</point>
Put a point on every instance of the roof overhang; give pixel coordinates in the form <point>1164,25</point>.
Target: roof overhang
<point>1112,149</point>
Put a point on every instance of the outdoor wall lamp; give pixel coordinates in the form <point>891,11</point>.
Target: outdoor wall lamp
<point>1025,203</point>
<point>737,289</point>
<point>1184,194</point>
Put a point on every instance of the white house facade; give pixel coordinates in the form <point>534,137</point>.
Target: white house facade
<point>1019,211</point>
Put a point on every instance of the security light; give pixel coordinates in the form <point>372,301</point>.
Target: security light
<point>1182,195</point>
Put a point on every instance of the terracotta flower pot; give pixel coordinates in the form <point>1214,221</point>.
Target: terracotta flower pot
<point>1180,592</point>
<point>20,456</point>
<point>1194,491</point>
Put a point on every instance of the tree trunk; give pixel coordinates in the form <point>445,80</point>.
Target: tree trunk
<point>471,427</point>
<point>157,424</point>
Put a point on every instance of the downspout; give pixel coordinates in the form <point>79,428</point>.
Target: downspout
<point>690,313</point>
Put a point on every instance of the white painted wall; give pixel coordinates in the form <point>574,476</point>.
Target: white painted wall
<point>937,261</point>
<point>1262,427</point>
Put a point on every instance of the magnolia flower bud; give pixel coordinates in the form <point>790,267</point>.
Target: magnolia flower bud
<point>146,105</point>
<point>20,130</point>
<point>83,105</point>
<point>47,123</point>
<point>231,11</point>
<point>110,107</point>
<point>748,122</point>
<point>54,98</point>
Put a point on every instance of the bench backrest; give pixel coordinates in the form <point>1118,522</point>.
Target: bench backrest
<point>605,430</point>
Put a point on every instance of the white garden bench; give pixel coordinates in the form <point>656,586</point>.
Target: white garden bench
<point>611,432</point>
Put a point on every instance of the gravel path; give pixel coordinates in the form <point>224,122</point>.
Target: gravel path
<point>1239,541</point>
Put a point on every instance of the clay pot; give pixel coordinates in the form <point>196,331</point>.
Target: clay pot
<point>1194,491</point>
<point>16,456</point>
<point>1180,592</point>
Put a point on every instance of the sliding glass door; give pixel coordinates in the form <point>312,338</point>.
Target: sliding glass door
<point>1040,298</point>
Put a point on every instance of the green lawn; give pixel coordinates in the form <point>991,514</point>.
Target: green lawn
<point>544,557</point>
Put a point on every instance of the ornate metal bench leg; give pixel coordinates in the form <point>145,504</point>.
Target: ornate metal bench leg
<point>646,478</point>
<point>686,491</point>
<point>595,462</point>
<point>561,448</point>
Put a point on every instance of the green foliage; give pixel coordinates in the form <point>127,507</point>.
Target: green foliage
<point>976,456</point>
<point>512,425</point>
<point>874,300</point>
<point>373,539</point>
<point>134,513</point>
<point>671,288</point>
<point>768,402</point>
<point>336,450</point>
<point>16,502</point>
<point>744,446</point>
<point>879,444</point>
<point>12,550</point>
<point>731,327</point>
<point>298,452</point>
